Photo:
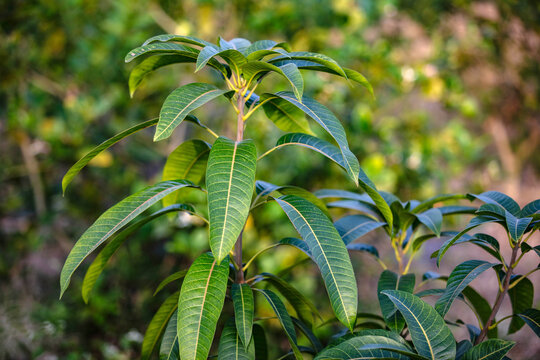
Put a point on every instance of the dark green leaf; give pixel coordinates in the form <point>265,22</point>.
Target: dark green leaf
<point>516,227</point>
<point>286,116</point>
<point>392,281</point>
<point>230,344</point>
<point>159,48</point>
<point>353,227</point>
<point>261,348</point>
<point>427,204</point>
<point>158,324</point>
<point>495,197</point>
<point>368,347</point>
<point>299,244</point>
<point>364,247</point>
<point>530,209</point>
<point>169,279</point>
<point>169,343</point>
<point>432,219</point>
<point>493,349</point>
<point>242,297</point>
<point>317,346</point>
<point>532,318</point>
<point>521,297</point>
<point>179,38</point>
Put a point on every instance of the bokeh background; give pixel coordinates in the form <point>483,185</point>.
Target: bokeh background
<point>457,110</point>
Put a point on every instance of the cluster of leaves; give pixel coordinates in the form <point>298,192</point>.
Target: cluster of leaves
<point>186,322</point>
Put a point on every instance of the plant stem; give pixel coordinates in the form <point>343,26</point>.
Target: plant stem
<point>500,296</point>
<point>240,101</point>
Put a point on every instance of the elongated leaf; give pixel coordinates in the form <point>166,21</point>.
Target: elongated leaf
<point>113,220</point>
<point>481,307</point>
<point>299,244</point>
<point>516,227</point>
<point>169,279</point>
<point>493,349</point>
<point>492,210</point>
<point>188,161</point>
<point>530,209</point>
<point>180,103</point>
<point>429,333</point>
<point>230,179</point>
<point>353,227</point>
<point>290,72</point>
<point>100,262</point>
<point>369,187</point>
<point>284,318</point>
<point>286,116</point>
<point>456,209</point>
<point>358,347</point>
<point>317,346</point>
<point>497,198</point>
<point>392,281</point>
<point>169,343</point>
<point>532,318</point>
<point>199,306</point>
<point>79,165</point>
<point>230,344</point>
<point>364,248</point>
<point>159,48</point>
<point>461,276</point>
<point>304,308</point>
<point>158,324</point>
<point>475,222</point>
<point>314,58</point>
<point>178,38</point>
<point>424,205</point>
<point>330,123</point>
<point>432,219</point>
<point>242,297</point>
<point>521,297</point>
<point>329,253</point>
<point>259,339</point>
<point>233,57</point>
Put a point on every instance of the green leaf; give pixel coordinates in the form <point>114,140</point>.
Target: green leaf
<point>521,297</point>
<point>364,247</point>
<point>516,227</point>
<point>230,345</point>
<point>317,346</point>
<point>353,227</point>
<point>77,167</point>
<point>481,307</point>
<point>188,161</point>
<point>261,348</point>
<point>530,209</point>
<point>113,220</point>
<point>169,343</point>
<point>180,103</point>
<point>369,187</point>
<point>286,116</point>
<point>299,244</point>
<point>329,122</point>
<point>389,280</point>
<point>330,255</point>
<point>314,58</point>
<point>368,347</point>
<point>461,276</point>
<point>284,318</point>
<point>159,48</point>
<point>497,198</point>
<point>304,308</point>
<point>428,331</point>
<point>233,57</point>
<point>256,69</point>
<point>427,204</point>
<point>242,297</point>
<point>169,279</point>
<point>432,219</point>
<point>532,318</point>
<point>199,306</point>
<point>158,324</point>
<point>492,210</point>
<point>493,349</point>
<point>100,262</point>
<point>230,179</point>
<point>179,38</point>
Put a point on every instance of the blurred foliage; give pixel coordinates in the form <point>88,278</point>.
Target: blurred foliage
<point>457,106</point>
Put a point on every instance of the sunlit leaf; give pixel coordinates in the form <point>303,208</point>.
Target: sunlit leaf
<point>286,116</point>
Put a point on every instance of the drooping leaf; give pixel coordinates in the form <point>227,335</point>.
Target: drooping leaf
<point>188,161</point>
<point>299,244</point>
<point>169,279</point>
<point>79,165</point>
<point>159,48</point>
<point>427,204</point>
<point>180,103</point>
<point>284,318</point>
<point>480,306</point>
<point>317,346</point>
<point>199,306</point>
<point>329,253</point>
<point>158,324</point>
<point>353,227</point>
<point>369,187</point>
<point>370,249</point>
<point>521,297</point>
<point>169,343</point>
<point>242,297</point>
<point>113,220</point>
<point>230,180</point>
<point>315,58</point>
<point>429,333</point>
<point>432,219</point>
<point>100,262</point>
<point>530,209</point>
<point>497,198</point>
<point>230,344</point>
<point>392,281</point>
<point>286,116</point>
<point>290,72</point>
<point>493,349</point>
<point>532,318</point>
<point>259,339</point>
<point>461,276</point>
<point>516,227</point>
<point>368,347</point>
<point>492,210</point>
<point>330,123</point>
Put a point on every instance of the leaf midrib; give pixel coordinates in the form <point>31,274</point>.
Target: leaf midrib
<point>233,161</point>
<point>448,303</point>
<point>202,306</point>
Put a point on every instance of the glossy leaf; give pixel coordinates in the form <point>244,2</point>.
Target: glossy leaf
<point>242,297</point>
<point>188,161</point>
<point>427,204</point>
<point>100,262</point>
<point>79,165</point>
<point>284,318</point>
<point>113,220</point>
<point>432,219</point>
<point>169,279</point>
<point>532,318</point>
<point>429,333</point>
<point>299,244</point>
<point>169,343</point>
<point>159,48</point>
<point>178,38</point>
<point>230,345</point>
<point>530,209</point>
<point>286,116</point>
<point>461,276</point>
<point>392,281</point>
<point>493,349</point>
<point>497,198</point>
<point>233,57</point>
<point>368,347</point>
<point>255,69</point>
<point>180,103</point>
<point>315,58</point>
<point>516,227</point>
<point>199,306</point>
<point>329,252</point>
<point>158,324</point>
<point>353,227</point>
<point>521,297</point>
<point>230,180</point>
